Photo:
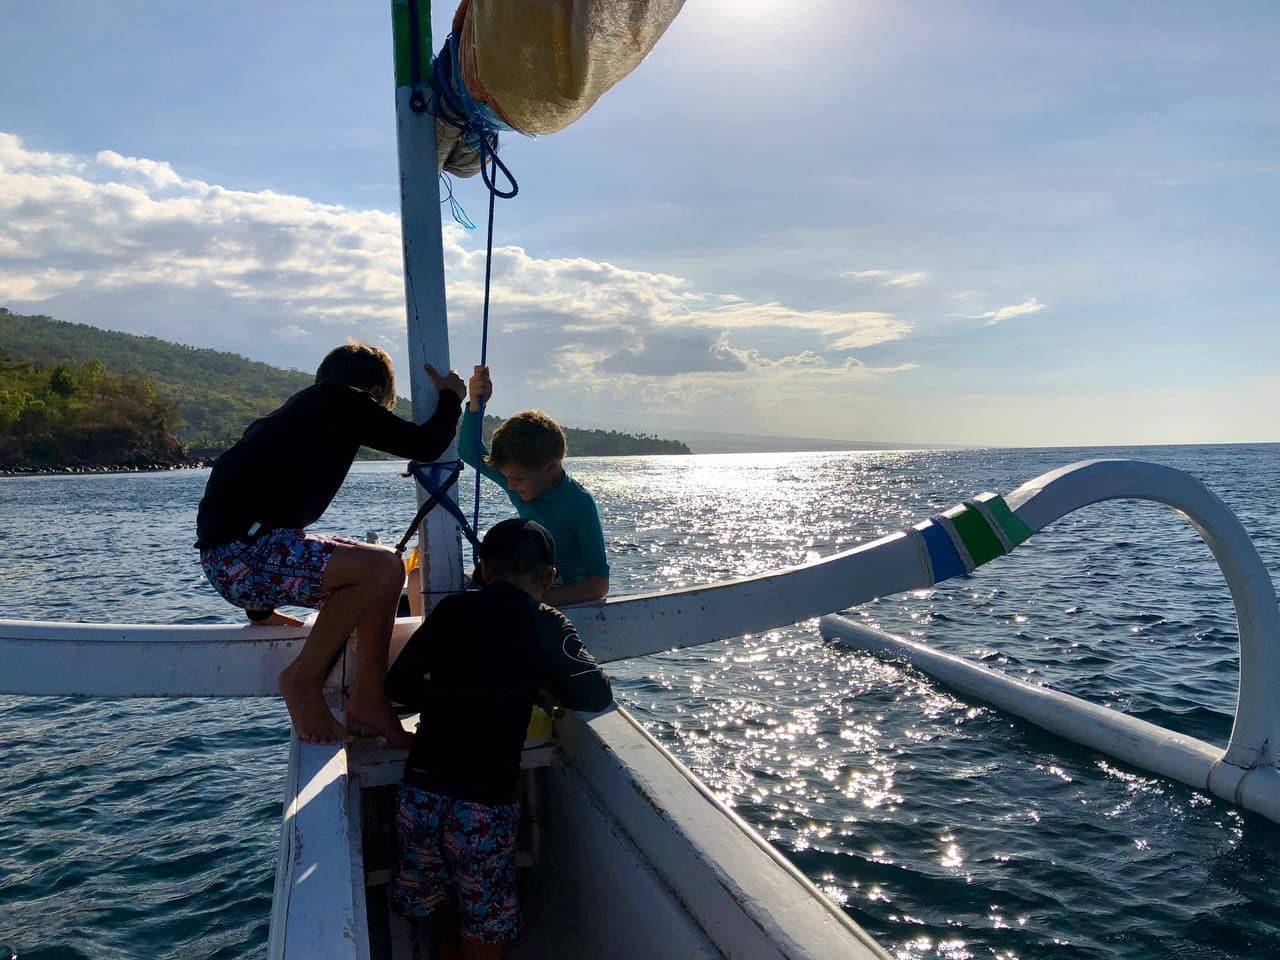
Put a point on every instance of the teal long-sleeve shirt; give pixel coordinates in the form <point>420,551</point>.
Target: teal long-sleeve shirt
<point>568,511</point>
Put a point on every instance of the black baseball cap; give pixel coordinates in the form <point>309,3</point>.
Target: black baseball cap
<point>517,546</point>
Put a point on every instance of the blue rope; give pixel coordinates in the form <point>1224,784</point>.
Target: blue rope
<point>476,120</point>
<point>484,352</point>
<point>479,126</point>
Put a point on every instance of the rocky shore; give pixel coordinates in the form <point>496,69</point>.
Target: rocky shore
<point>29,471</point>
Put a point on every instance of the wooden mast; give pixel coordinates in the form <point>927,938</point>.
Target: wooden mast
<point>423,266</point>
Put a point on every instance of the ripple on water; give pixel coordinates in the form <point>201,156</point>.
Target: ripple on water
<point>948,830</point>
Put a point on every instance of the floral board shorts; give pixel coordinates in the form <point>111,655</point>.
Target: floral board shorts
<point>461,852</point>
<point>283,567</point>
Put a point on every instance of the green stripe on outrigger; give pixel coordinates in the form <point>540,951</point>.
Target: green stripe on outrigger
<point>1015,529</point>
<point>978,537</point>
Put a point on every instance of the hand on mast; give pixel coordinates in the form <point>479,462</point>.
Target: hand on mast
<point>451,382</point>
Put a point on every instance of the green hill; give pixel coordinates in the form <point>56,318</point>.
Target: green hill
<point>81,416</point>
<point>214,394</point>
<point>204,397</point>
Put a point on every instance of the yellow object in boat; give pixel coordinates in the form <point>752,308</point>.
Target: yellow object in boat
<point>540,728</point>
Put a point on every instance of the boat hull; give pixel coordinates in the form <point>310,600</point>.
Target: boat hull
<point>625,855</point>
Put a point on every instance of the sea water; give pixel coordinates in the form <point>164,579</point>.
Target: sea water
<point>148,828</point>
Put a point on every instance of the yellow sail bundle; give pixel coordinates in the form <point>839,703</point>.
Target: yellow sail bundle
<point>539,65</point>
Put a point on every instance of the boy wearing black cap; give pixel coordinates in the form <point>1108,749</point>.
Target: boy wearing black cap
<point>473,669</point>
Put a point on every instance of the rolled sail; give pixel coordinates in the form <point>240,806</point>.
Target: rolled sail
<point>539,65</point>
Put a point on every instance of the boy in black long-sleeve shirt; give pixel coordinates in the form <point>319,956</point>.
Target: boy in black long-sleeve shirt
<point>278,479</point>
<point>473,669</point>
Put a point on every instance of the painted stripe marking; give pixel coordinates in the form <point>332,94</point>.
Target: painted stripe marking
<point>1014,527</point>
<point>943,556</point>
<point>982,544</point>
<point>975,504</point>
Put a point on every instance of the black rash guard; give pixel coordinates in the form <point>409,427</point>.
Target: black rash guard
<point>288,466</point>
<point>473,668</point>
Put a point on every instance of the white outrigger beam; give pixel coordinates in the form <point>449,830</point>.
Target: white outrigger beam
<point>141,661</point>
<point>1246,773</point>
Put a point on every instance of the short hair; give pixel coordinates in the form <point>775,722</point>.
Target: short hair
<point>530,439</point>
<point>360,365</point>
<point>515,546</point>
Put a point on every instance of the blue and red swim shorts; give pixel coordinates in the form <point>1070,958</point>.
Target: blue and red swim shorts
<point>284,567</point>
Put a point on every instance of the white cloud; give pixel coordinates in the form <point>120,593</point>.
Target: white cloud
<point>1027,307</point>
<point>130,243</point>
<point>159,174</point>
<point>889,278</point>
<point>14,156</point>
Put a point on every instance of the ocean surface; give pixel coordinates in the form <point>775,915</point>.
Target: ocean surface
<point>139,829</point>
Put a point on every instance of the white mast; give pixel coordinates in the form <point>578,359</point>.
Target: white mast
<point>423,266</point>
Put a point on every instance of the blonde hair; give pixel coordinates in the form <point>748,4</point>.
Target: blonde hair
<point>360,365</point>
<point>530,439</point>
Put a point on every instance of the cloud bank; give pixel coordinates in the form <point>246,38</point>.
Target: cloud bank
<point>130,243</point>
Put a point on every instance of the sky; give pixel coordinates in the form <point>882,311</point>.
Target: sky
<point>970,223</point>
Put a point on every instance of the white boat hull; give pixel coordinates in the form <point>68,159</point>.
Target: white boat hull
<point>635,859</point>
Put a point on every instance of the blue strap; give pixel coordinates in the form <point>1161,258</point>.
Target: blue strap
<point>437,482</point>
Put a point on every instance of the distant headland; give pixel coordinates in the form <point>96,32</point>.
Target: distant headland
<point>78,399</point>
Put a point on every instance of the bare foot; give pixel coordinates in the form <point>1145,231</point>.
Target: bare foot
<point>374,712</point>
<point>278,619</point>
<point>283,620</point>
<point>312,720</point>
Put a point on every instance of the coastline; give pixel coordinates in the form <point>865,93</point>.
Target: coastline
<point>64,470</point>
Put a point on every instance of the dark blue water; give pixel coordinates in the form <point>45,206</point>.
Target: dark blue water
<point>149,828</point>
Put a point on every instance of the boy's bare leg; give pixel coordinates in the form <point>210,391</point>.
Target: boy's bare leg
<point>358,579</point>
<point>414,587</point>
<point>368,705</point>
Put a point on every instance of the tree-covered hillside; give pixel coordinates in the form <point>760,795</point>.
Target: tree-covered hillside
<point>604,443</point>
<point>81,416</point>
<point>214,394</point>
<point>205,398</point>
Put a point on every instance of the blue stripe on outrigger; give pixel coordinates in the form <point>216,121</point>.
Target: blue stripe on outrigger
<point>943,557</point>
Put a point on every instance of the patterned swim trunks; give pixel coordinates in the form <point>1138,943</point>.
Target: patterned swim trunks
<point>283,567</point>
<point>461,852</point>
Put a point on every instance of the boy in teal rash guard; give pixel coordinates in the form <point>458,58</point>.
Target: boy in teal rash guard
<point>527,461</point>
